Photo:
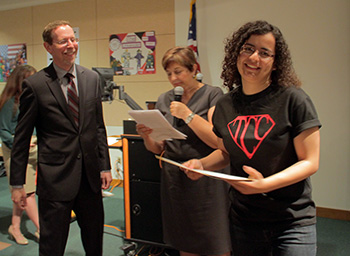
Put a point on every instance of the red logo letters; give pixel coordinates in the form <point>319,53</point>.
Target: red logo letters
<point>248,132</point>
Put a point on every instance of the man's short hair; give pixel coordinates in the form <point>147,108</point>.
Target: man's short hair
<point>47,33</point>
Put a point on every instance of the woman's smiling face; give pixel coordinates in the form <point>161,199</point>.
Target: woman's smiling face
<point>256,67</point>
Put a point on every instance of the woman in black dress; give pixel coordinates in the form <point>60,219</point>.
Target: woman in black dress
<point>195,213</point>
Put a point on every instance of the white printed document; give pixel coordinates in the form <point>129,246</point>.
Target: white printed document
<point>162,129</point>
<point>216,175</point>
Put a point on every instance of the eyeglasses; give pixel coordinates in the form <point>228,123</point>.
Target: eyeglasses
<point>250,50</point>
<point>66,41</point>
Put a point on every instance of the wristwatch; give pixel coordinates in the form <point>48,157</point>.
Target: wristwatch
<point>189,118</point>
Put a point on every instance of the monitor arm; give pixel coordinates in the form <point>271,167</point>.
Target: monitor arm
<point>124,96</point>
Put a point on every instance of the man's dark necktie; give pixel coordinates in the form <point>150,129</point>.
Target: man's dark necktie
<point>73,99</point>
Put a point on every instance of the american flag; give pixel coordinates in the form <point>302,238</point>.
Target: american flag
<point>14,49</point>
<point>10,56</point>
<point>192,32</point>
<point>10,51</point>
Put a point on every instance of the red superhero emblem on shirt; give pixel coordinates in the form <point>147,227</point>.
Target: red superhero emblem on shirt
<point>248,132</point>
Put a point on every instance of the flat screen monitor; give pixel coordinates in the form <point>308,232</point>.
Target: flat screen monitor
<point>106,79</point>
<point>106,73</point>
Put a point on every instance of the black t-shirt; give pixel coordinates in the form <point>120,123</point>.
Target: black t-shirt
<point>258,131</point>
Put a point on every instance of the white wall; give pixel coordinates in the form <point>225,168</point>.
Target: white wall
<point>317,32</point>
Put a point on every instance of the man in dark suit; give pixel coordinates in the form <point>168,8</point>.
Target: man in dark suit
<point>73,157</point>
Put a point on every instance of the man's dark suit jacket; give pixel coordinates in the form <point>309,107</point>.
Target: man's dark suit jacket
<point>64,150</point>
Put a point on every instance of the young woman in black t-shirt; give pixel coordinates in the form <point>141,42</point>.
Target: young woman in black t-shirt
<point>268,131</point>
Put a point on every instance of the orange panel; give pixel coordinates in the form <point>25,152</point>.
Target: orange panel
<point>126,188</point>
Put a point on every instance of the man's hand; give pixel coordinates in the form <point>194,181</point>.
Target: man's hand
<point>106,179</point>
<point>19,197</point>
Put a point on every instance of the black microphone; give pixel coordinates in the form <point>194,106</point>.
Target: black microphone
<point>178,91</point>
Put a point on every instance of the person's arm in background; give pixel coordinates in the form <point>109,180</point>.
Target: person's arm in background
<point>6,113</point>
<point>201,127</point>
<point>155,147</point>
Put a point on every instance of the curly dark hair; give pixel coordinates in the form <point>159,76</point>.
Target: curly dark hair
<point>284,74</point>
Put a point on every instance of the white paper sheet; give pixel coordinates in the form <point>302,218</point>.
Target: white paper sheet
<point>112,140</point>
<point>216,175</point>
<point>162,129</point>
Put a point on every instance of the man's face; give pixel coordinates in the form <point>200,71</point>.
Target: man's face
<point>64,47</point>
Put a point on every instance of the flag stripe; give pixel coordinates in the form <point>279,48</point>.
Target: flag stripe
<point>13,50</point>
<point>192,32</point>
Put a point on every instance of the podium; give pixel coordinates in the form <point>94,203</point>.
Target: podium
<point>143,222</point>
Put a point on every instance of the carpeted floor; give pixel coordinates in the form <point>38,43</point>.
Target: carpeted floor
<point>113,236</point>
<point>333,235</point>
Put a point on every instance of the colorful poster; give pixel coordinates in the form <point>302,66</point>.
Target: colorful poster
<point>10,56</point>
<point>133,53</point>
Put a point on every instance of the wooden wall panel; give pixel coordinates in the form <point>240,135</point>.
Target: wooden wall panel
<point>124,16</point>
<point>88,53</point>
<point>16,26</point>
<point>39,54</point>
<point>80,13</point>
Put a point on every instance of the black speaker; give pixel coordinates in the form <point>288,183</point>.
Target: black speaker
<point>143,222</point>
<point>143,166</point>
<point>146,220</point>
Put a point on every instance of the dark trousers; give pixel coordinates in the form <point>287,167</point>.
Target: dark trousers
<point>54,219</point>
<point>274,241</point>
